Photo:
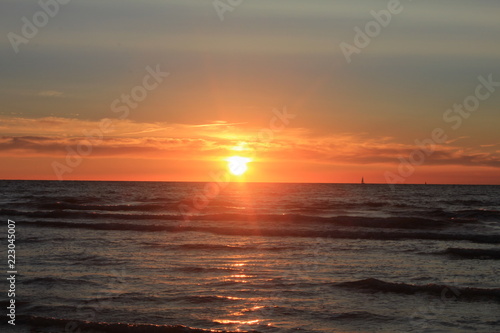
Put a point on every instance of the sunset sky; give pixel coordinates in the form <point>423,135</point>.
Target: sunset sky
<point>230,82</point>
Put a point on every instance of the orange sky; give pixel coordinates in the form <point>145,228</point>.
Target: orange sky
<point>171,152</point>
<point>174,90</point>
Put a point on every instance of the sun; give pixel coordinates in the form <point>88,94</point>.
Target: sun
<point>237,165</point>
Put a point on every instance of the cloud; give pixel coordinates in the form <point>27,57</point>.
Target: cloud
<point>218,123</point>
<point>55,137</point>
<point>50,93</point>
<point>107,147</point>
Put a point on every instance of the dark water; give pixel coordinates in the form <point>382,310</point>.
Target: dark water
<point>120,256</point>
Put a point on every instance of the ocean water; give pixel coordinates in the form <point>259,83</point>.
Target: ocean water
<point>120,257</point>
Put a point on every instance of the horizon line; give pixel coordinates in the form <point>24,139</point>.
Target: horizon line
<point>236,182</point>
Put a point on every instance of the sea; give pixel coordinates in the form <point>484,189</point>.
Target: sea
<point>251,257</point>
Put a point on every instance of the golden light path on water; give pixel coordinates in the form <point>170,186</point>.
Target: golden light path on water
<point>232,317</point>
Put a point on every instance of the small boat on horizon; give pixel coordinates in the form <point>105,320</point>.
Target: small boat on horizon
<point>362,181</point>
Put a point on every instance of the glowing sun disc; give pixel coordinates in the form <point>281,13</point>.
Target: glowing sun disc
<point>237,165</point>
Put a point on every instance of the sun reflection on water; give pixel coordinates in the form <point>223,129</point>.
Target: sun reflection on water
<point>237,322</point>
<point>241,316</point>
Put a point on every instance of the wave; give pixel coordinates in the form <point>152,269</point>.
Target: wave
<point>275,232</point>
<point>480,214</point>
<point>325,314</point>
<point>35,239</point>
<point>319,207</point>
<point>88,215</point>
<point>402,222</point>
<point>85,207</point>
<point>51,281</point>
<point>213,247</point>
<point>198,269</point>
<point>469,202</point>
<point>93,260</point>
<point>104,327</point>
<point>217,247</point>
<point>205,299</point>
<point>359,315</point>
<point>19,302</point>
<point>473,253</point>
<point>344,221</point>
<point>48,197</point>
<point>138,298</point>
<point>413,221</point>
<point>448,292</point>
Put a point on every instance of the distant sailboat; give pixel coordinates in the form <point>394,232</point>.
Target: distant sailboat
<point>362,180</point>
